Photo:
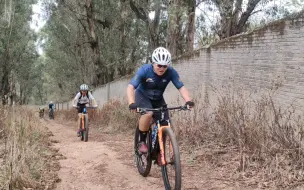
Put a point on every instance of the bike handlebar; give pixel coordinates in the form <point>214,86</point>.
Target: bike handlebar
<point>144,110</point>
<point>87,107</point>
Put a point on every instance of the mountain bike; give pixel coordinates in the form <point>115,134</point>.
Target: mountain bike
<point>84,123</point>
<point>51,113</point>
<point>162,147</point>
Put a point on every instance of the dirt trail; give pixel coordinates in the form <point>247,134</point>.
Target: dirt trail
<point>93,165</point>
<point>106,162</point>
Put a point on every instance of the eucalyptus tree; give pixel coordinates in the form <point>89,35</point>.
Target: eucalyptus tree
<point>171,25</point>
<point>181,27</point>
<point>15,46</point>
<point>234,14</point>
<point>97,40</point>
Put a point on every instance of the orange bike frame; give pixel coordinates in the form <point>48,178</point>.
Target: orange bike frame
<point>161,144</point>
<point>82,119</point>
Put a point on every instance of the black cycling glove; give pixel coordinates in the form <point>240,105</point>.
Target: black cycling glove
<point>190,103</point>
<point>132,106</point>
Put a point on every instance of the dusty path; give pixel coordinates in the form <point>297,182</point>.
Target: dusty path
<point>106,162</point>
<point>93,165</point>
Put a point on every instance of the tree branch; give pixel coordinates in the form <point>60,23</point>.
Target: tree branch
<point>106,23</point>
<point>139,12</point>
<point>244,17</point>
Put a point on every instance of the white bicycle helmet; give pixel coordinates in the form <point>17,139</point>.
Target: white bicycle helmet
<point>84,87</point>
<point>161,56</point>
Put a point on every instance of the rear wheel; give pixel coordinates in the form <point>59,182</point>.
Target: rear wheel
<point>51,114</point>
<point>143,161</point>
<point>81,131</point>
<point>86,129</point>
<point>171,172</point>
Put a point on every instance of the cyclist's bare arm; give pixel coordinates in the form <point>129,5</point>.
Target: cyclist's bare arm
<point>131,94</point>
<point>75,101</point>
<point>185,94</point>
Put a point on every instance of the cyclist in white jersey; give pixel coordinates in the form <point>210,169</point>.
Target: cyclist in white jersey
<point>81,100</point>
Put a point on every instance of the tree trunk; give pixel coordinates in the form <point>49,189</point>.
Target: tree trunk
<point>233,20</point>
<point>21,96</point>
<point>12,90</point>
<point>40,95</point>
<point>5,78</point>
<point>191,25</point>
<point>95,45</point>
<point>181,27</point>
<point>174,27</point>
<point>122,29</point>
<point>152,25</point>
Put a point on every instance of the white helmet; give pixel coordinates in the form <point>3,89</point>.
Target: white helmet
<point>161,56</point>
<point>51,102</point>
<point>84,87</point>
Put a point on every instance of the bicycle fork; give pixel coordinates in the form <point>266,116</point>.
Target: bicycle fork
<point>82,122</point>
<point>161,144</point>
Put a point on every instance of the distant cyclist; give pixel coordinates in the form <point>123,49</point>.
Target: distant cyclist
<point>51,109</point>
<point>146,89</point>
<point>81,100</point>
<point>51,105</point>
<point>41,111</point>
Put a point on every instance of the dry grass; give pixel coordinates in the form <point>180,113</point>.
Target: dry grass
<point>113,116</point>
<point>26,156</point>
<point>268,139</point>
<point>248,136</point>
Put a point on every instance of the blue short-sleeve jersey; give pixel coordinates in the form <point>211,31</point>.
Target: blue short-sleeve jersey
<point>51,106</point>
<point>149,83</point>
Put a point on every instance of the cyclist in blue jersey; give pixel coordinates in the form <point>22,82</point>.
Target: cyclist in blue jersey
<point>51,109</point>
<point>146,89</point>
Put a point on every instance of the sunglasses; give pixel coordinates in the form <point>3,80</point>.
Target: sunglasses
<point>162,66</point>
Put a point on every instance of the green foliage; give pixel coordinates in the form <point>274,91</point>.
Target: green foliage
<point>77,52</point>
<point>17,52</point>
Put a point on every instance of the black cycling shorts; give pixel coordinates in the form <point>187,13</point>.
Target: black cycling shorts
<point>142,101</point>
<point>80,107</point>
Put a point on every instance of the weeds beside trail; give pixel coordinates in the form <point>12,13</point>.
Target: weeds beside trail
<point>113,116</point>
<point>26,160</point>
<point>266,140</point>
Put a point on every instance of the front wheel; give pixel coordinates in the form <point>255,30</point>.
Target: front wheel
<point>143,161</point>
<point>51,114</point>
<point>86,129</point>
<point>171,171</point>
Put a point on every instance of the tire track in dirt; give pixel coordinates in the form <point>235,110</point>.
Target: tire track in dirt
<point>93,165</point>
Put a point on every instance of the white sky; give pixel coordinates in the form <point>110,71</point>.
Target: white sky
<point>38,21</point>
